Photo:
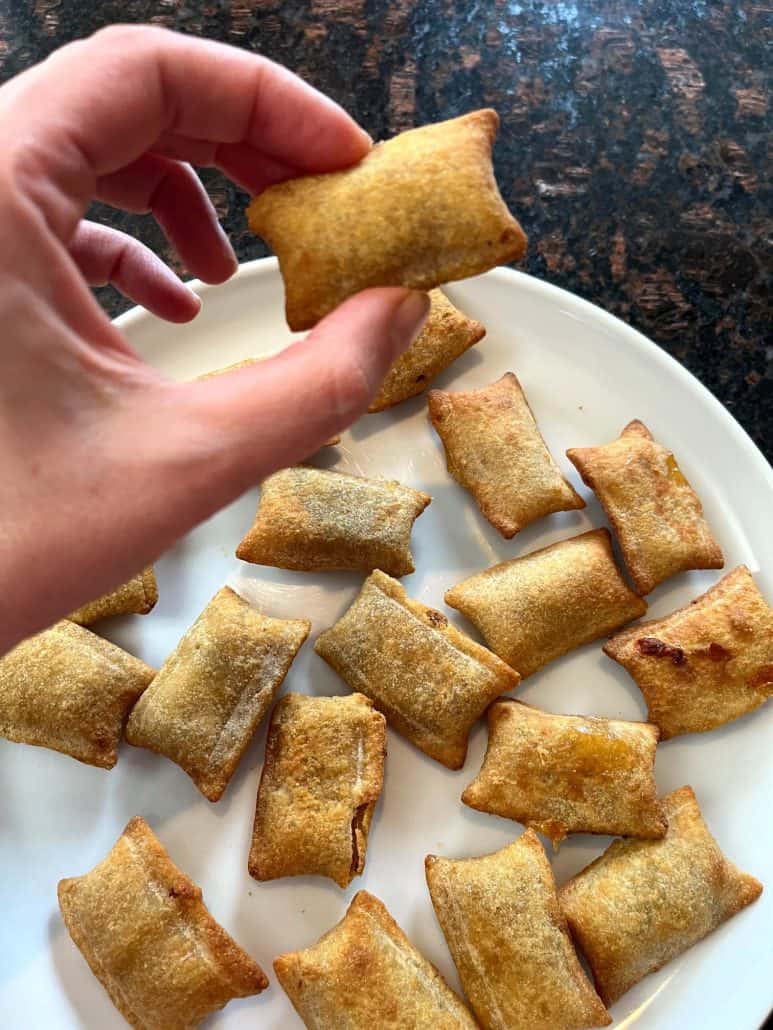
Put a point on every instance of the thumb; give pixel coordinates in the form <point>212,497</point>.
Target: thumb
<point>268,415</point>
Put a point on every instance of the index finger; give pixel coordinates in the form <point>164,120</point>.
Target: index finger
<point>98,104</point>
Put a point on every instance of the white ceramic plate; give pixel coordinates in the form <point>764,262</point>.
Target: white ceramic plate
<point>586,374</point>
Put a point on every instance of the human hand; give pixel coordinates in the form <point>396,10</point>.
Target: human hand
<point>105,463</point>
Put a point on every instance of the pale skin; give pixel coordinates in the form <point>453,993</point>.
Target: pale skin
<point>104,462</point>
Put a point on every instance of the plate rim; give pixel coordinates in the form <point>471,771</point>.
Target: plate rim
<point>259,267</point>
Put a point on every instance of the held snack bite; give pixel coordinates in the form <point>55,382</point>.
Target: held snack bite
<point>420,210</point>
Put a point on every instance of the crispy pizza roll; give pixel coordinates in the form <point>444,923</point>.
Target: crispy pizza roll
<point>314,520</point>
<point>655,513</point>
<point>213,691</point>
<point>495,450</point>
<point>321,779</point>
<point>69,690</point>
<point>365,974</point>
<point>563,774</point>
<point>705,664</point>
<point>149,939</point>
<point>509,941</point>
<point>137,597</point>
<point>642,903</point>
<point>430,680</point>
<point>446,335</point>
<point>533,609</point>
<point>419,210</point>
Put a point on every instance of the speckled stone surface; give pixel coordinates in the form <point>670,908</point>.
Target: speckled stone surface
<point>635,143</point>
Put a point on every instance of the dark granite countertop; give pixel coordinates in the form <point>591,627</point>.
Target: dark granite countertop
<point>635,143</point>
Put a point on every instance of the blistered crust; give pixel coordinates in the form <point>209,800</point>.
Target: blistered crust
<point>69,690</point>
<point>315,520</point>
<point>495,450</point>
<point>705,664</point>
<point>322,777</point>
<point>420,210</point>
<point>643,903</point>
<point>138,596</point>
<point>446,335</point>
<point>655,513</point>
<point>509,940</point>
<point>144,930</point>
<point>561,774</point>
<point>365,974</point>
<point>533,609</point>
<point>213,691</point>
<point>430,680</point>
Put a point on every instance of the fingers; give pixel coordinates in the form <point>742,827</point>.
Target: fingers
<point>275,413</point>
<point>174,194</point>
<point>99,104</point>
<point>108,256</point>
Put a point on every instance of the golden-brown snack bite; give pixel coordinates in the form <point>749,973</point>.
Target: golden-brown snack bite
<point>149,939</point>
<point>446,335</point>
<point>315,521</point>
<point>430,680</point>
<point>533,609</point>
<point>213,691</point>
<point>136,597</point>
<point>69,690</point>
<point>420,210</point>
<point>321,779</point>
<point>655,513</point>
<point>705,664</point>
<point>365,974</point>
<point>644,902</point>
<point>563,774</point>
<point>509,941</point>
<point>495,450</point>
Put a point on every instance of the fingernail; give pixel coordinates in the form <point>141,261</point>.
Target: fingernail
<point>408,321</point>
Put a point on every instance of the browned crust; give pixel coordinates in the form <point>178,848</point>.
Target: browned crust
<point>540,606</point>
<point>321,778</point>
<point>495,450</point>
<point>315,520</point>
<point>656,515</point>
<point>70,690</point>
<point>170,994</point>
<point>430,680</point>
<point>202,709</point>
<point>706,663</point>
<point>562,774</point>
<point>365,974</point>
<point>138,596</point>
<point>446,335</point>
<point>643,903</point>
<point>421,209</point>
<point>510,941</point>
